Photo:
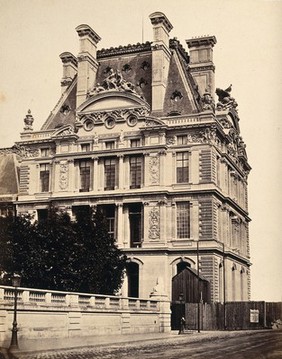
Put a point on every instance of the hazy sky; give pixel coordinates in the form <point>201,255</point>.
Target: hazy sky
<point>247,55</point>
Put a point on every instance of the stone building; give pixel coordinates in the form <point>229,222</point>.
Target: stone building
<point>137,131</point>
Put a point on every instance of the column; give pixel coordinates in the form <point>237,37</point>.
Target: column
<point>95,176</point>
<point>120,225</point>
<point>120,172</point>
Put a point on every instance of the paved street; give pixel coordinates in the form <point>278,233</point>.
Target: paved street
<point>236,345</point>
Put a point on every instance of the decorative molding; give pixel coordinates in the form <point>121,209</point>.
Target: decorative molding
<point>154,223</point>
<point>64,175</point>
<point>22,151</point>
<point>114,81</point>
<point>154,169</point>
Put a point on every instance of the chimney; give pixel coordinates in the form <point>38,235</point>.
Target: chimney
<point>201,62</point>
<point>160,58</point>
<point>87,62</point>
<point>69,69</point>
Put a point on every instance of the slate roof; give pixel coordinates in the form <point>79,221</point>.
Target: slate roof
<point>135,64</point>
<point>9,183</point>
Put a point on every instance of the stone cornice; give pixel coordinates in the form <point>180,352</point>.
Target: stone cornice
<point>85,30</point>
<point>68,58</point>
<point>201,41</point>
<point>160,18</point>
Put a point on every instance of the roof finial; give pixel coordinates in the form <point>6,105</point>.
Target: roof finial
<point>28,120</point>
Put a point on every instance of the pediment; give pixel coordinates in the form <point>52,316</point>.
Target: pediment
<point>67,130</point>
<point>112,100</point>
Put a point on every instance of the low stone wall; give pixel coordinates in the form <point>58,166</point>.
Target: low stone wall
<point>53,314</point>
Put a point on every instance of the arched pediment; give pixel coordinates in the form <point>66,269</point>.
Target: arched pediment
<point>67,130</point>
<point>112,100</point>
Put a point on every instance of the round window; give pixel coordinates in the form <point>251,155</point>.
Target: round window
<point>132,120</point>
<point>110,122</point>
<point>88,125</point>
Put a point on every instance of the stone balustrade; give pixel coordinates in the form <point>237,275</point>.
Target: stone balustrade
<point>56,314</point>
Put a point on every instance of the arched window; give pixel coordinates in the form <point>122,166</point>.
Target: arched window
<point>182,265</point>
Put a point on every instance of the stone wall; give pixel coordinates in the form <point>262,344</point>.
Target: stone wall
<point>53,314</point>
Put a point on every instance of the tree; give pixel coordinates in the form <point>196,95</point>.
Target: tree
<point>103,263</point>
<point>60,254</point>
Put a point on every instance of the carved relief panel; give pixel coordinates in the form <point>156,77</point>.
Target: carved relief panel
<point>154,223</point>
<point>154,170</point>
<point>63,175</point>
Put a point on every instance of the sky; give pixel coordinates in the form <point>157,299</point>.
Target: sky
<point>247,55</point>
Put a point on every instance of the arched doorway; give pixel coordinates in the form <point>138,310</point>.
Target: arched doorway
<point>132,271</point>
<point>181,266</point>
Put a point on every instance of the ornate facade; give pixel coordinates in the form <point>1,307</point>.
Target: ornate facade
<point>137,131</point>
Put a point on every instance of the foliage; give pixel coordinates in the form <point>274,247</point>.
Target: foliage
<point>61,254</point>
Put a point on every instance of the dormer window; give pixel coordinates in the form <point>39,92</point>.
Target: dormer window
<point>176,96</point>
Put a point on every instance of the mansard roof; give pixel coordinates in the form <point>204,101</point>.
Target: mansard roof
<point>134,63</point>
<point>9,183</point>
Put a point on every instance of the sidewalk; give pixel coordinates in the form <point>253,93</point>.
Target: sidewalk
<point>29,346</point>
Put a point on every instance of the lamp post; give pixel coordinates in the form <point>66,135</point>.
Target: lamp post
<point>198,289</point>
<point>16,281</point>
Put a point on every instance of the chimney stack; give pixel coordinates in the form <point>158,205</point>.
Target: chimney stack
<point>201,62</point>
<point>87,61</point>
<point>160,58</point>
<point>69,69</point>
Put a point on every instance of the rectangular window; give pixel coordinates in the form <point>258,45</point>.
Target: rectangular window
<point>44,152</point>
<point>109,213</point>
<point>135,142</point>
<point>183,220</point>
<point>110,173</point>
<point>110,145</point>
<point>135,163</point>
<point>84,172</point>
<point>44,177</point>
<point>135,222</point>
<point>182,140</point>
<point>182,168</point>
<point>80,211</point>
<point>42,214</point>
<point>85,147</point>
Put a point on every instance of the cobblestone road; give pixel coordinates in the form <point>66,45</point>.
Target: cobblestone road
<point>261,345</point>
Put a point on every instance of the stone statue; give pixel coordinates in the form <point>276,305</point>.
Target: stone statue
<point>225,100</point>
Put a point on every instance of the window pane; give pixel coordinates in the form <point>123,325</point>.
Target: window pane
<point>135,172</point>
<point>135,220</point>
<point>84,167</point>
<point>110,173</point>
<point>44,178</point>
<point>183,220</point>
<point>182,168</point>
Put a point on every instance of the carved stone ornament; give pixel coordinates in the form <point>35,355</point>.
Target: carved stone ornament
<point>170,140</point>
<point>114,81</point>
<point>207,102</point>
<point>22,151</point>
<point>154,223</point>
<point>64,131</point>
<point>225,101</point>
<point>28,121</point>
<point>154,169</point>
<point>64,175</point>
<point>209,136</point>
